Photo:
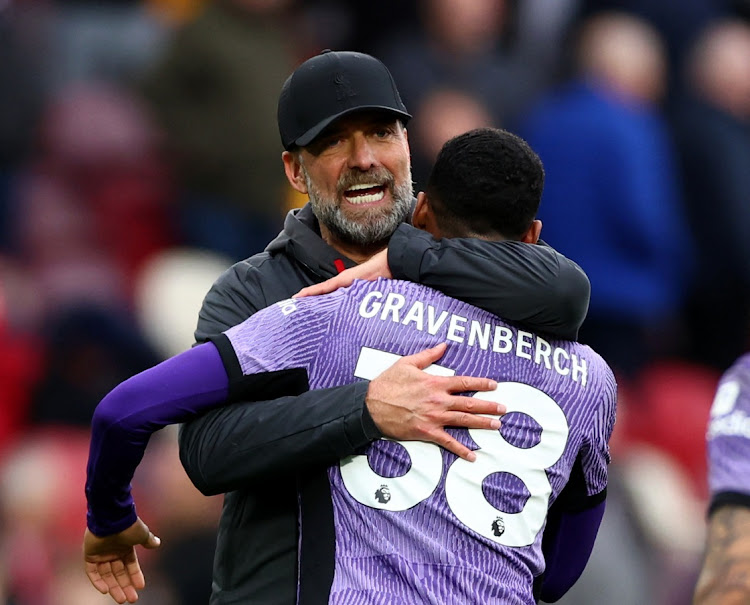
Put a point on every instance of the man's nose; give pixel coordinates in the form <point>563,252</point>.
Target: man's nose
<point>361,154</point>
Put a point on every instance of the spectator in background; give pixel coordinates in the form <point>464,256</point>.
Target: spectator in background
<point>612,201</point>
<point>679,23</point>
<point>444,113</point>
<point>213,91</point>
<point>712,125</point>
<point>464,46</point>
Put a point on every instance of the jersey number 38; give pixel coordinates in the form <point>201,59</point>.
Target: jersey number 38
<point>463,479</point>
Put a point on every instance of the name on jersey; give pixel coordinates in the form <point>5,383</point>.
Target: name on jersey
<point>487,336</point>
<point>736,424</point>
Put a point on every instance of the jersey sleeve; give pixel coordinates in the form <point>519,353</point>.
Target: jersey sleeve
<point>594,456</point>
<point>728,438</point>
<point>530,284</point>
<point>282,338</point>
<point>279,430</point>
<point>173,391</point>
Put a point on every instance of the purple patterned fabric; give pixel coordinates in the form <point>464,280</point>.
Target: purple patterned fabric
<point>173,391</point>
<point>729,432</point>
<point>413,523</point>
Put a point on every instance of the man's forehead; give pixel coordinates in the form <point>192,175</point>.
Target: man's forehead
<point>360,119</point>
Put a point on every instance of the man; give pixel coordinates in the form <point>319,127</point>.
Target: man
<point>342,121</point>
<point>448,530</point>
<point>725,576</point>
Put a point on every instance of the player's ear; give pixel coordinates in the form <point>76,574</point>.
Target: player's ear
<point>424,217</point>
<point>294,171</point>
<point>421,210</point>
<point>532,235</point>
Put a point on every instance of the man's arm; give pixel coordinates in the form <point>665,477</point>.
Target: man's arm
<point>225,448</point>
<point>725,576</point>
<point>516,281</point>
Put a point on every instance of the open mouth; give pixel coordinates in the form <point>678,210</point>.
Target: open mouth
<point>366,193</point>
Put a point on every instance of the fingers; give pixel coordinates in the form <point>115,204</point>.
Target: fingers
<point>340,281</point>
<point>474,405</point>
<point>459,384</point>
<point>92,572</point>
<point>424,358</point>
<point>152,541</point>
<point>113,588</point>
<point>116,579</point>
<point>135,575</point>
<point>473,421</point>
<point>443,439</point>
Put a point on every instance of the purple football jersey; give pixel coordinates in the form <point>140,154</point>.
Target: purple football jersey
<point>413,523</point>
<point>729,432</point>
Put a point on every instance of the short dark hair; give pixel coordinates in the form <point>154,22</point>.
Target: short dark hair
<point>486,182</point>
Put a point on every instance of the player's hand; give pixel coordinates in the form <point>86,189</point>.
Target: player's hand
<point>408,404</point>
<point>111,562</point>
<point>370,270</point>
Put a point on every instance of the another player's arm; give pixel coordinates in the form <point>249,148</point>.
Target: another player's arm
<point>574,518</point>
<point>725,575</point>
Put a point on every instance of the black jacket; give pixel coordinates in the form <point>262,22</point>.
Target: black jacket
<point>255,451</point>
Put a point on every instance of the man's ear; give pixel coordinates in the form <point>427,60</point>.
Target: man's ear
<point>294,171</point>
<point>532,235</point>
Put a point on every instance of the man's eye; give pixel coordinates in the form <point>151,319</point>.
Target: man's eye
<point>382,133</point>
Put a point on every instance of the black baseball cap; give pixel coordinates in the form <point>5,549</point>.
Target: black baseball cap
<point>331,85</point>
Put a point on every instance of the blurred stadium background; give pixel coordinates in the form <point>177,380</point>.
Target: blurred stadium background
<point>139,157</point>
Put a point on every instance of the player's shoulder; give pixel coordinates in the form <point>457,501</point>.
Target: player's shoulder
<point>740,369</point>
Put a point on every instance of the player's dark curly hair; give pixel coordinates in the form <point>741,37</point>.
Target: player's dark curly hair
<point>486,182</point>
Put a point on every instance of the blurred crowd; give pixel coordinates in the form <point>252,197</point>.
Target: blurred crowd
<point>139,157</point>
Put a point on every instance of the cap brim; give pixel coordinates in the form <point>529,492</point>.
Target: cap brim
<point>310,135</point>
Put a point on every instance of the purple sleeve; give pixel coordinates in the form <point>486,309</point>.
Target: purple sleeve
<point>728,437</point>
<point>568,541</point>
<point>174,391</point>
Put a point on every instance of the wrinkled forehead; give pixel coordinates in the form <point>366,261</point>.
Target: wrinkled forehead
<point>360,120</point>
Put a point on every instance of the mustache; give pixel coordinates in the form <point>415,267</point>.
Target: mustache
<point>356,177</point>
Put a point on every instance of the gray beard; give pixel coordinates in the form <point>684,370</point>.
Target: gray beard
<point>378,227</point>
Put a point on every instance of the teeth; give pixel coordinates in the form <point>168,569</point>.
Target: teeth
<point>364,186</point>
<point>366,199</point>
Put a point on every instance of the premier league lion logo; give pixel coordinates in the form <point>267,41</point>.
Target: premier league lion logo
<point>383,494</point>
<point>498,526</point>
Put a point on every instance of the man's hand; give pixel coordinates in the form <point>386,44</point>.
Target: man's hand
<point>370,270</point>
<point>111,563</point>
<point>408,404</point>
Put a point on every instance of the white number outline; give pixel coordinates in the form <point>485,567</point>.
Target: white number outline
<point>463,479</point>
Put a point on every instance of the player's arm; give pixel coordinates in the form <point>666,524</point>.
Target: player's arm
<point>529,284</point>
<point>725,575</point>
<point>575,516</point>
<point>572,525</point>
<point>122,424</point>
